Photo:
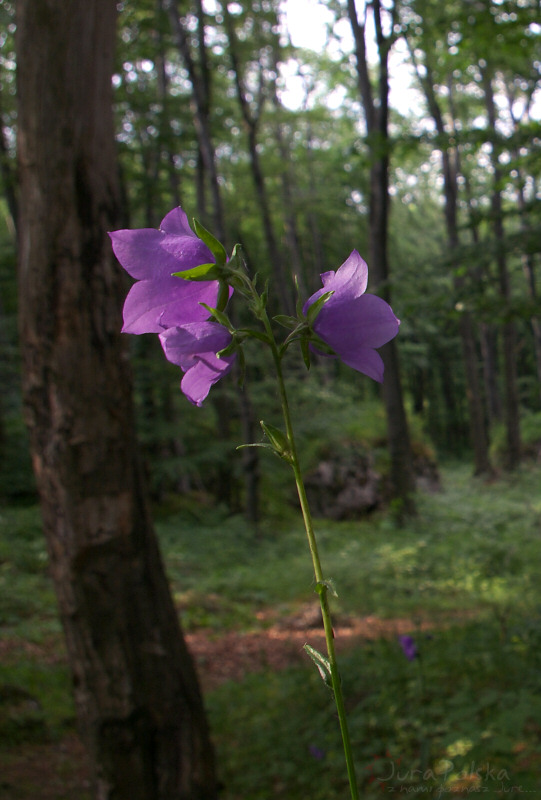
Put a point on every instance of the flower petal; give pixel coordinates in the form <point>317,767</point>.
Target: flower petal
<point>348,282</point>
<point>176,221</point>
<point>199,379</point>
<point>351,322</point>
<point>366,320</point>
<point>365,360</point>
<point>351,279</point>
<point>152,305</point>
<point>195,339</point>
<point>193,348</point>
<point>148,254</point>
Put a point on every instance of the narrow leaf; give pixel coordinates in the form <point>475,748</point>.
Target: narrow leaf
<point>305,350</point>
<point>259,444</point>
<point>316,307</point>
<point>249,333</point>
<point>321,662</point>
<point>286,321</point>
<point>219,316</point>
<point>327,584</point>
<point>203,272</point>
<point>216,248</point>
<point>278,440</point>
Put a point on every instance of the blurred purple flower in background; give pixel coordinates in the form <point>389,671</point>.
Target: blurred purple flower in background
<point>193,348</point>
<point>351,322</point>
<point>158,300</point>
<point>316,752</point>
<point>409,648</point>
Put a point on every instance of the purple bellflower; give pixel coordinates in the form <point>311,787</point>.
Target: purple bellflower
<point>409,648</point>
<point>158,300</point>
<point>351,322</point>
<point>163,303</point>
<point>193,348</point>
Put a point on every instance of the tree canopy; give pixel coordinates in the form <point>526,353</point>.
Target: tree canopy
<point>206,117</point>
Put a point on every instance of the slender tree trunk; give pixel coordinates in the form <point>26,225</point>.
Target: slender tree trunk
<point>376,117</point>
<point>313,222</point>
<point>449,158</point>
<point>487,335</point>
<point>290,222</point>
<point>137,697</point>
<point>251,120</point>
<point>528,258</point>
<point>166,129</point>
<point>512,423</point>
<point>8,174</point>
<point>199,79</point>
<point>489,351</point>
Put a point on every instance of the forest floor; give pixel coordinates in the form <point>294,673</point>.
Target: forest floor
<point>58,770</point>
<point>462,578</point>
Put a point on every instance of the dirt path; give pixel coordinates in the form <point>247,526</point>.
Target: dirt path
<point>59,770</point>
<point>231,655</point>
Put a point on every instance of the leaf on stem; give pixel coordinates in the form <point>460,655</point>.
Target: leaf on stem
<point>278,440</point>
<point>286,321</point>
<point>219,316</point>
<point>326,585</point>
<point>322,663</point>
<point>305,350</point>
<point>216,248</point>
<point>316,307</point>
<point>203,272</point>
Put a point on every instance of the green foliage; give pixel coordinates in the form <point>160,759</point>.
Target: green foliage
<point>34,704</point>
<point>16,480</point>
<point>26,595</point>
<point>465,572</point>
<point>465,710</point>
<point>473,547</point>
<point>530,435</point>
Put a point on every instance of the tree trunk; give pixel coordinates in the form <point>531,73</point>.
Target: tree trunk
<point>251,119</point>
<point>376,118</point>
<point>8,174</point>
<point>512,421</point>
<point>528,259</point>
<point>137,697</point>
<point>200,81</point>
<point>449,159</point>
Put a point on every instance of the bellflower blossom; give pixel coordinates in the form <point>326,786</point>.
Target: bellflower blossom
<point>351,322</point>
<point>158,300</point>
<point>193,348</point>
<point>409,648</point>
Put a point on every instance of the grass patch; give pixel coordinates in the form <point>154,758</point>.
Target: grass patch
<point>466,713</point>
<point>474,547</point>
<point>468,710</point>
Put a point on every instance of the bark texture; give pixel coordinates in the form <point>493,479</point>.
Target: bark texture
<point>137,697</point>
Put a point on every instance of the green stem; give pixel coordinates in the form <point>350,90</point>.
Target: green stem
<point>322,587</point>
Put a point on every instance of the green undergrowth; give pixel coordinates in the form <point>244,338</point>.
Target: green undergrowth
<point>473,547</point>
<point>464,715</point>
<point>468,710</point>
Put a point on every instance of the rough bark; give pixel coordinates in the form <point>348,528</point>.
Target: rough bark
<point>137,697</point>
